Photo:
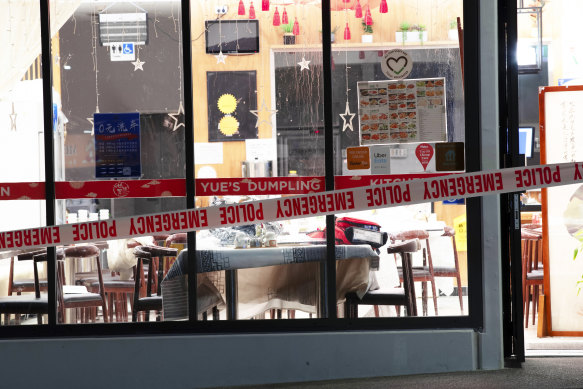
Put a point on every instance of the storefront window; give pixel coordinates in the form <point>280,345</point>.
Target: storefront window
<point>121,147</point>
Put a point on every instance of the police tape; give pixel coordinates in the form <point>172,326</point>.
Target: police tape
<point>314,204</point>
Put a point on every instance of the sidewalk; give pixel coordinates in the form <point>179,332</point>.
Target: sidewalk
<point>536,372</point>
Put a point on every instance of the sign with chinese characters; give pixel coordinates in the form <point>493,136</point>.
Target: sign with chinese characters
<point>403,111</point>
<point>117,145</point>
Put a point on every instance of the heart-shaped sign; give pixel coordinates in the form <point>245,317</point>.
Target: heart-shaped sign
<point>424,153</point>
<point>397,65</point>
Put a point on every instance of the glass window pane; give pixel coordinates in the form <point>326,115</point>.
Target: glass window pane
<point>257,79</point>
<point>398,92</point>
<point>21,151</point>
<point>121,151</point>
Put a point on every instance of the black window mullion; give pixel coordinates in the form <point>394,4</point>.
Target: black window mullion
<point>328,268</point>
<point>471,50</point>
<point>189,151</point>
<point>47,83</point>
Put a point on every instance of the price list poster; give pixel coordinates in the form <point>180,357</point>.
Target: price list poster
<point>402,111</point>
<point>117,145</point>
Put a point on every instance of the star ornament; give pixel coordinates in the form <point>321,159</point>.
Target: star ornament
<point>178,117</point>
<point>260,113</point>
<point>304,64</point>
<point>347,117</point>
<point>138,65</point>
<point>12,116</point>
<point>221,57</point>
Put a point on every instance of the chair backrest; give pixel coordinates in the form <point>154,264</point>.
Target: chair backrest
<point>147,254</point>
<point>405,249</point>
<point>41,256</point>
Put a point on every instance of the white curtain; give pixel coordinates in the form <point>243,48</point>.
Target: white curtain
<point>20,41</point>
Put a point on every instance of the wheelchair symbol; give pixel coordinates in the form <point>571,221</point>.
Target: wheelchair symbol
<point>128,48</point>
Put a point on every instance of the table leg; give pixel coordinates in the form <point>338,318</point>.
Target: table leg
<point>231,292</point>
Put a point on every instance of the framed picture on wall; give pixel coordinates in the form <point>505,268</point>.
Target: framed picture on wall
<point>231,96</point>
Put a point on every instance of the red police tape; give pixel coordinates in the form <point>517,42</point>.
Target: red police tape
<point>314,204</point>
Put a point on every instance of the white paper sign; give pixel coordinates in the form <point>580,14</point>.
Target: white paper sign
<point>261,149</point>
<point>396,64</point>
<point>208,153</point>
<point>122,51</point>
<point>380,158</point>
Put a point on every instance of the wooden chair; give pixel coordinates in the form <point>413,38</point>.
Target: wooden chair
<point>23,285</point>
<point>449,271</point>
<point>532,271</point>
<point>149,301</point>
<point>86,302</point>
<point>27,304</point>
<point>424,273</point>
<point>404,296</point>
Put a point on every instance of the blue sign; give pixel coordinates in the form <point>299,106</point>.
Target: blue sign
<point>454,201</point>
<point>117,145</point>
<point>128,48</point>
<point>55,116</point>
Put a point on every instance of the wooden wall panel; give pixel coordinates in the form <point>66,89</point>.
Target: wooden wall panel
<point>435,14</point>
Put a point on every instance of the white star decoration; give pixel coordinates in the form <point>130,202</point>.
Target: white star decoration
<point>304,64</point>
<point>220,57</point>
<point>259,112</point>
<point>347,117</point>
<point>13,119</point>
<point>138,65</point>
<point>178,117</point>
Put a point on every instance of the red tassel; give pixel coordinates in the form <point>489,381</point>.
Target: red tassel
<point>284,17</point>
<point>276,21</point>
<point>265,5</point>
<point>251,11</point>
<point>346,1</point>
<point>241,11</point>
<point>383,8</point>
<point>296,29</point>
<point>346,33</point>
<point>358,10</point>
<point>368,17</point>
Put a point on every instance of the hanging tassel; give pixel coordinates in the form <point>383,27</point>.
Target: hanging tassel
<point>251,11</point>
<point>276,21</point>
<point>241,11</point>
<point>296,29</point>
<point>368,17</point>
<point>346,33</point>
<point>265,5</point>
<point>284,17</point>
<point>358,10</point>
<point>346,1</point>
<point>383,8</point>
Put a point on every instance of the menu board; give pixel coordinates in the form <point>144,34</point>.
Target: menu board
<point>400,111</point>
<point>117,145</point>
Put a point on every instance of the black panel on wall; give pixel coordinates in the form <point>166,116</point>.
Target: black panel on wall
<point>121,88</point>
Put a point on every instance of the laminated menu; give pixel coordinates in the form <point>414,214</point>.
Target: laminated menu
<point>402,111</point>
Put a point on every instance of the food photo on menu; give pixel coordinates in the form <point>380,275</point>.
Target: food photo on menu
<point>389,111</point>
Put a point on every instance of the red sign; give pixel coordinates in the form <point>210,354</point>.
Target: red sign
<point>424,153</point>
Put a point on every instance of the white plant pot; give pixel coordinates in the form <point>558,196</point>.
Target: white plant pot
<point>410,36</point>
<point>399,36</point>
<point>366,38</point>
<point>452,35</point>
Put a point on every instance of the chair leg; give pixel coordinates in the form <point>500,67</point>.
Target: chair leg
<point>527,305</point>
<point>424,297</point>
<point>216,313</point>
<point>376,311</point>
<point>434,296</point>
<point>534,303</point>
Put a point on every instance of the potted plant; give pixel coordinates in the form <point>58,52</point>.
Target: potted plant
<point>366,36</point>
<point>401,35</point>
<point>332,34</point>
<point>288,37</point>
<point>422,33</point>
<point>452,33</point>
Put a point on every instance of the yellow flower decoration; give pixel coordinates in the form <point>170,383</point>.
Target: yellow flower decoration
<point>228,125</point>
<point>227,103</point>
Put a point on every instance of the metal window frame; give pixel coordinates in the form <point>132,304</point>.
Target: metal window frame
<point>329,321</point>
